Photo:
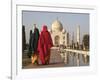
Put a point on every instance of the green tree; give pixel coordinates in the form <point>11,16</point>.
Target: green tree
<point>86,41</point>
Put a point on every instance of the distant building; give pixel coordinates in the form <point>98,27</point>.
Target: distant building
<point>58,34</point>
<point>61,37</point>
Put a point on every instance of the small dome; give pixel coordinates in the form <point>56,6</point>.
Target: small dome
<point>57,26</point>
<point>50,30</point>
<point>63,31</point>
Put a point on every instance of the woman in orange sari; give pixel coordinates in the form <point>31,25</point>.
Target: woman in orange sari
<point>44,45</point>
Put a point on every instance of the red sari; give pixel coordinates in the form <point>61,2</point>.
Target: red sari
<point>44,45</point>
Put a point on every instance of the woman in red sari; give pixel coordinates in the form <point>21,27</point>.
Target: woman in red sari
<point>44,45</point>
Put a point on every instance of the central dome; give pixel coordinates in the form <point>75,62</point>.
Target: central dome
<point>57,26</point>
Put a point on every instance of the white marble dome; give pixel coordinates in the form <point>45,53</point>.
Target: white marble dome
<point>57,26</point>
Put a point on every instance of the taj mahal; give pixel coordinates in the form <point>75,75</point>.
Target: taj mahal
<point>60,36</point>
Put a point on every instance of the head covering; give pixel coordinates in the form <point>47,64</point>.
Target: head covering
<point>44,28</point>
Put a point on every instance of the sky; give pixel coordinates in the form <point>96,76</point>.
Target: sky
<point>70,21</point>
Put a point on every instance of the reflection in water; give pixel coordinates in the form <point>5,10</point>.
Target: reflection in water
<point>74,59</point>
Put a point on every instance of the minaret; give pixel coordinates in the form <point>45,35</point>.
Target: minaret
<point>67,39</point>
<point>73,37</point>
<point>73,40</point>
<point>78,34</point>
